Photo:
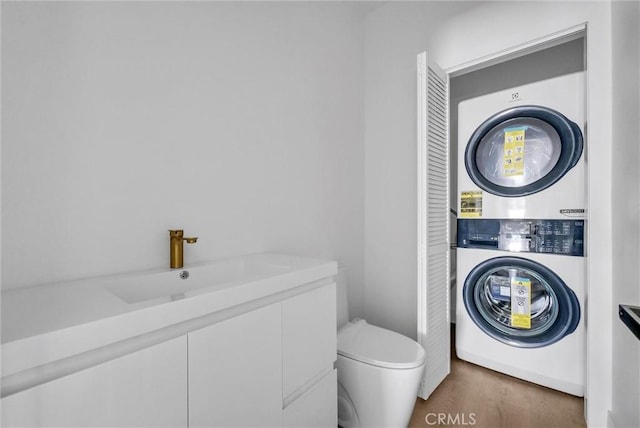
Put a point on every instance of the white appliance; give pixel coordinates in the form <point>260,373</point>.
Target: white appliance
<point>520,151</point>
<point>545,342</point>
<point>379,371</point>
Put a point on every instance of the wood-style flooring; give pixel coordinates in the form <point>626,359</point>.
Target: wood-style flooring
<point>473,396</point>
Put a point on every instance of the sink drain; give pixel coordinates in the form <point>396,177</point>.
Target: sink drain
<point>184,274</point>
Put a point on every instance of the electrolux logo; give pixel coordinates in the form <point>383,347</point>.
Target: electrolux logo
<point>457,419</point>
<point>515,97</point>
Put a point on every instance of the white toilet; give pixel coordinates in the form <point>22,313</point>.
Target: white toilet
<point>379,371</point>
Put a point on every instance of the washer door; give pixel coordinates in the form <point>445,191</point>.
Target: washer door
<point>554,308</point>
<point>522,150</point>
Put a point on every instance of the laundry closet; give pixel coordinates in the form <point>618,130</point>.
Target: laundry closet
<point>518,153</point>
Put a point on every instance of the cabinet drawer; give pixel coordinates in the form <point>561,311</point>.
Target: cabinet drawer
<point>317,407</point>
<point>308,336</point>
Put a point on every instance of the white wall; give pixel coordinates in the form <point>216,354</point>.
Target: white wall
<point>241,123</point>
<point>625,411</point>
<point>394,34</point>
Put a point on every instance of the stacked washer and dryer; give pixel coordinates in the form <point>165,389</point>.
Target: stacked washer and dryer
<point>520,238</point>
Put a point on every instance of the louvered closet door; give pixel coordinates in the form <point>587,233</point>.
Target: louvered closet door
<point>433,223</point>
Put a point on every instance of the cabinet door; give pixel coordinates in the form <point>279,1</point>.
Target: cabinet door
<point>308,337</point>
<point>144,389</point>
<point>235,371</point>
<point>316,407</point>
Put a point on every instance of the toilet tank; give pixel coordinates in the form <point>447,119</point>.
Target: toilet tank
<point>341,297</point>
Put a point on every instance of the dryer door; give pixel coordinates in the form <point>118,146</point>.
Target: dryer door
<point>496,301</point>
<point>522,150</point>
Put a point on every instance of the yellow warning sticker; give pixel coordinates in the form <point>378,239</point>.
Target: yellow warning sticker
<point>513,160</point>
<point>520,302</point>
<point>471,204</point>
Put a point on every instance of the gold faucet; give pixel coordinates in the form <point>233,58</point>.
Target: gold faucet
<point>176,247</point>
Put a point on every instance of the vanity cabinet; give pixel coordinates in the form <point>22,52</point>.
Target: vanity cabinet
<point>146,388</point>
<point>235,371</point>
<point>269,366</point>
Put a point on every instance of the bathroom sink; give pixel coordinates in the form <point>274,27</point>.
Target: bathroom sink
<point>179,283</point>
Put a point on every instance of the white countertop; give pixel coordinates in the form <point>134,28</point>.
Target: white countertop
<point>46,323</point>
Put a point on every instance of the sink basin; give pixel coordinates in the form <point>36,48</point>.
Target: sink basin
<point>179,283</point>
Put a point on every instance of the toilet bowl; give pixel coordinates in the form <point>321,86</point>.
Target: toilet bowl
<point>379,371</point>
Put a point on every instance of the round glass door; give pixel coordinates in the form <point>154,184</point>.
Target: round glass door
<point>520,302</point>
<point>522,150</point>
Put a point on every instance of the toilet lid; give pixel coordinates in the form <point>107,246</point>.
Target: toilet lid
<point>378,346</point>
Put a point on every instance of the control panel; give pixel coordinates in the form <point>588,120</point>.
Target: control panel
<point>564,237</point>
